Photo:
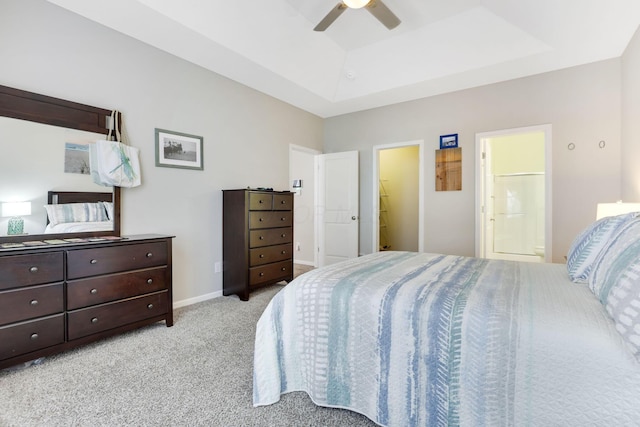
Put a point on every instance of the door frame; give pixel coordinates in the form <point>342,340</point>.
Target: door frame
<point>376,190</point>
<point>481,217</point>
<point>311,152</point>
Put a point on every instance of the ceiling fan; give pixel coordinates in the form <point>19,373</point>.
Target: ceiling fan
<point>375,7</point>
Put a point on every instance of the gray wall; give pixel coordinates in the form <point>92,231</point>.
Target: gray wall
<point>48,50</point>
<point>631,121</point>
<point>582,104</point>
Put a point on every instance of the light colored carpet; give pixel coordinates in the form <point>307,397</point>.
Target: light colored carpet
<point>196,373</point>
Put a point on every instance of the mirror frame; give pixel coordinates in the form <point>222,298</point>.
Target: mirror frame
<point>23,105</point>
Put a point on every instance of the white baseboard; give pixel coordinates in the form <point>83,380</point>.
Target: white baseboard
<point>299,261</point>
<point>189,301</point>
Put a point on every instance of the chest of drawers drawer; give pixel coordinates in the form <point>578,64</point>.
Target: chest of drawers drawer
<point>25,337</point>
<point>270,236</point>
<point>270,219</point>
<point>97,290</point>
<point>31,302</point>
<point>269,254</point>
<point>93,262</point>
<point>270,272</point>
<point>31,269</point>
<point>103,317</point>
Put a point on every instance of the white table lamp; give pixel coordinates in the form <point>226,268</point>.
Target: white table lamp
<point>617,208</point>
<point>16,210</point>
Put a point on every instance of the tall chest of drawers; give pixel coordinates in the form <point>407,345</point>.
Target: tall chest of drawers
<point>257,229</point>
<point>58,297</point>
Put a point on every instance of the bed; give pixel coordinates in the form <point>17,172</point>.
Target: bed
<point>417,339</point>
<point>76,211</point>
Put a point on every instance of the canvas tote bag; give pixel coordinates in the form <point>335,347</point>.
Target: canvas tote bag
<point>112,162</point>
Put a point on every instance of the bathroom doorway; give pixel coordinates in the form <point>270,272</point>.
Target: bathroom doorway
<point>514,194</point>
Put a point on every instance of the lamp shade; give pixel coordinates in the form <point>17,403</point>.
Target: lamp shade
<point>16,208</point>
<point>356,4</point>
<point>613,209</point>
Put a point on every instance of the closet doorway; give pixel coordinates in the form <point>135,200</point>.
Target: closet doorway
<point>513,219</point>
<point>398,197</point>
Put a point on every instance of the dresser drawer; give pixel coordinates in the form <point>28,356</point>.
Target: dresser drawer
<point>270,236</point>
<point>260,201</point>
<point>25,337</point>
<point>33,269</point>
<point>270,272</point>
<point>270,254</point>
<point>113,259</point>
<point>283,202</point>
<point>107,316</point>
<point>270,219</point>
<point>98,290</point>
<point>31,302</point>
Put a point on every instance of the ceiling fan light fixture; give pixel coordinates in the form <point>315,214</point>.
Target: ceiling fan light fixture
<point>356,4</point>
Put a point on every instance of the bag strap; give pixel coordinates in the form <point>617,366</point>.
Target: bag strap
<point>115,126</point>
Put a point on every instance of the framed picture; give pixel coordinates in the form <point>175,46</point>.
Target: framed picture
<point>178,150</point>
<point>449,141</point>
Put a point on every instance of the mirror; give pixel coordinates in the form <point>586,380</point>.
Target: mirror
<point>45,150</point>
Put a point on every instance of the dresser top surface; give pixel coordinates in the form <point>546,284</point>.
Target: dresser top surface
<point>46,245</point>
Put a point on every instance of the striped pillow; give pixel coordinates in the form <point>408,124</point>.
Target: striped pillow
<point>616,280</point>
<point>588,245</point>
<point>108,206</point>
<point>76,212</point>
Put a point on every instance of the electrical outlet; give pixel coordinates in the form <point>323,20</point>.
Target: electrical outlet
<point>217,267</point>
<point>298,246</point>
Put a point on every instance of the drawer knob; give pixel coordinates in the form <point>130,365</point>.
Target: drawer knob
<point>284,269</point>
<point>260,219</point>
<point>93,261</point>
<point>283,219</point>
<point>149,254</point>
<point>149,281</point>
<point>34,302</point>
<point>33,269</point>
<point>261,237</point>
<point>283,252</point>
<point>283,202</point>
<point>261,274</point>
<point>93,291</point>
<point>150,306</point>
<point>94,320</point>
<point>261,201</point>
<point>283,235</point>
<point>34,336</point>
<point>261,255</point>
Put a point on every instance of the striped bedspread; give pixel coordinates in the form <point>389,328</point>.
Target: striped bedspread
<point>412,339</point>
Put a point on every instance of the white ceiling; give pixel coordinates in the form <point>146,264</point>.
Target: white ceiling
<point>357,64</point>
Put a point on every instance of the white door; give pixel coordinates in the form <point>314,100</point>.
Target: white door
<point>338,207</point>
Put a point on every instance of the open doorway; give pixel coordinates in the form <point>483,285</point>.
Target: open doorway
<point>513,194</point>
<point>398,174</point>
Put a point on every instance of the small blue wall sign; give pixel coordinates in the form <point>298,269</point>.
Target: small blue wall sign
<point>449,141</point>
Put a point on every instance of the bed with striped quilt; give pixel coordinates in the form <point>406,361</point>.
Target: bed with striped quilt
<point>415,339</point>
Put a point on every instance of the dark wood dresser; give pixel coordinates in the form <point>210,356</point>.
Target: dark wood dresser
<point>257,230</point>
<point>60,296</point>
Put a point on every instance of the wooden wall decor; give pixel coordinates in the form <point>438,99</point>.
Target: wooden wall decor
<point>449,169</point>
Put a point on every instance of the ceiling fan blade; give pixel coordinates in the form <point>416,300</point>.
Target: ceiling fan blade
<point>383,14</point>
<point>331,16</point>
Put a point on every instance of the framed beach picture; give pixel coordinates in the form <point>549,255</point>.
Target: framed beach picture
<point>178,150</point>
<point>449,141</point>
